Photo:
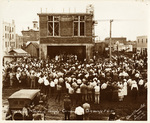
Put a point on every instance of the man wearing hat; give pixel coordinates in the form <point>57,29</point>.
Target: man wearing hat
<point>32,77</point>
<point>134,90</point>
<point>90,88</point>
<point>46,86</point>
<point>103,90</point>
<point>59,91</point>
<point>67,107</point>
<point>97,93</point>
<point>71,93</point>
<point>84,92</point>
<point>141,85</point>
<point>78,95</point>
<point>41,83</point>
<point>52,88</point>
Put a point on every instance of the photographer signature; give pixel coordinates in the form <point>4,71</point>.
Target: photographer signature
<point>137,113</point>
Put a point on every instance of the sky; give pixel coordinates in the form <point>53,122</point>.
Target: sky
<point>130,18</point>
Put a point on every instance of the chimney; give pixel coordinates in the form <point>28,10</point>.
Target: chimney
<point>35,25</point>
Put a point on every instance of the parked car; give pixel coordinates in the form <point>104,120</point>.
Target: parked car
<point>20,99</point>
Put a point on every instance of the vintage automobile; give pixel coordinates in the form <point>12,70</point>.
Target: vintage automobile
<point>20,99</point>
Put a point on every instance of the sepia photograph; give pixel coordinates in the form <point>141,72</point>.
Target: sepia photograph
<point>74,60</point>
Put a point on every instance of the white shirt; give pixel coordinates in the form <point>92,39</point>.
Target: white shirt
<point>79,111</point>
<point>52,84</point>
<point>137,75</point>
<point>104,86</point>
<point>61,80</point>
<point>129,82</point>
<point>141,82</point>
<point>38,74</point>
<point>87,75</point>
<point>18,75</point>
<point>67,85</point>
<point>94,83</point>
<point>54,75</point>
<point>69,79</point>
<point>97,89</point>
<point>26,66</point>
<point>125,73</point>
<point>79,81</point>
<point>121,74</point>
<point>40,81</point>
<point>134,86</point>
<point>71,90</point>
<point>78,90</point>
<point>46,82</point>
<point>56,81</point>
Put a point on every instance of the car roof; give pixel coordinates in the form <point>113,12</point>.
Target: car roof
<point>24,94</point>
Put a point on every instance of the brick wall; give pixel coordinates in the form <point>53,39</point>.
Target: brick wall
<point>30,35</point>
<point>43,26</point>
<point>59,40</point>
<point>66,28</point>
<point>66,31</point>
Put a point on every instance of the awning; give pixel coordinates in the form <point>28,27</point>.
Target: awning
<point>18,52</point>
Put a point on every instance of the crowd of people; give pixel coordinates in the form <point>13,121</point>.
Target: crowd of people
<point>90,81</point>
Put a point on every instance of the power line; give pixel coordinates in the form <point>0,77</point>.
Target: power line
<point>118,20</point>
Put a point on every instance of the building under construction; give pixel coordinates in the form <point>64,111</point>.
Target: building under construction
<point>66,33</point>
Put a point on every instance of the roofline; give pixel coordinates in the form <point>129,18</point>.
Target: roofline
<point>64,14</point>
<point>115,37</point>
<point>141,36</point>
<point>29,30</point>
<point>32,44</point>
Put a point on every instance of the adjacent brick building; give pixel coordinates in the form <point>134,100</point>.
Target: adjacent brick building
<point>68,33</point>
<point>31,34</point>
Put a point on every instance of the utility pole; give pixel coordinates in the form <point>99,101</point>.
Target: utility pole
<point>110,42</point>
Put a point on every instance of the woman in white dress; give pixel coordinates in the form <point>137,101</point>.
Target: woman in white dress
<point>124,90</point>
